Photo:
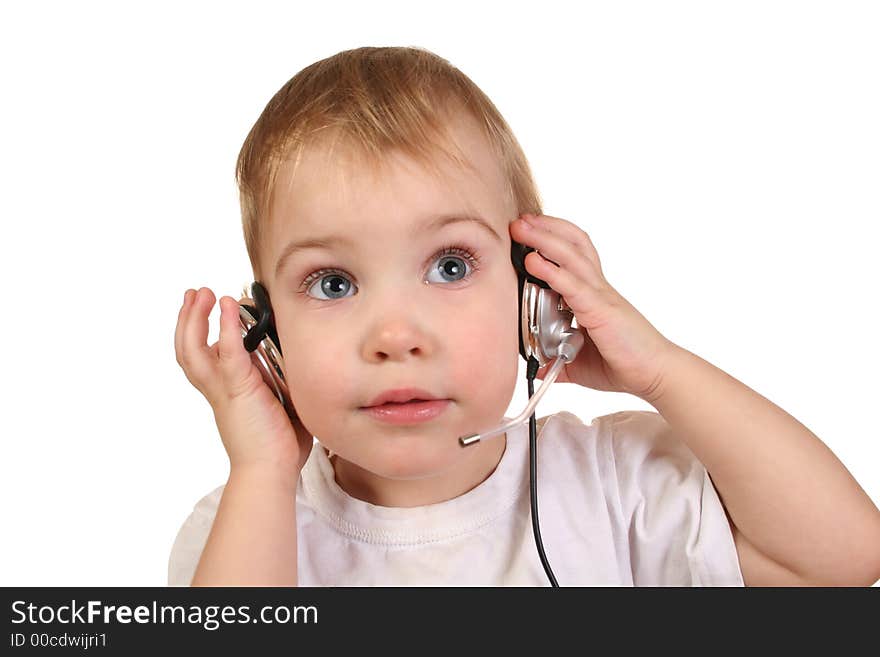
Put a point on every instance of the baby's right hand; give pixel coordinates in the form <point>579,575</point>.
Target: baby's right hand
<point>253,424</point>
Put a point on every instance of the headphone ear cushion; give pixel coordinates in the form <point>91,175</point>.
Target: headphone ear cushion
<point>519,315</point>
<point>265,318</point>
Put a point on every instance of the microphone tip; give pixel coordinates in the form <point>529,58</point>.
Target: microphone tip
<point>469,440</point>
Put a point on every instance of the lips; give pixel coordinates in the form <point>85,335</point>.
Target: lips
<point>408,413</point>
<point>401,396</point>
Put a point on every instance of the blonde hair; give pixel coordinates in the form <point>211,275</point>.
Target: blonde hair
<point>374,100</point>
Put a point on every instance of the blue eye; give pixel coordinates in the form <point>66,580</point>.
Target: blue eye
<point>335,283</point>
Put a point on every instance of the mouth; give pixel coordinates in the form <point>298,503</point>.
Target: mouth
<point>410,412</point>
<point>402,396</point>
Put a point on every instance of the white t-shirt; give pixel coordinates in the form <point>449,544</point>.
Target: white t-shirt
<point>621,502</point>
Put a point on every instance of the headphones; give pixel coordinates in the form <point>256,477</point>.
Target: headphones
<point>545,334</point>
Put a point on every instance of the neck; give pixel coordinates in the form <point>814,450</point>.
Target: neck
<point>366,486</point>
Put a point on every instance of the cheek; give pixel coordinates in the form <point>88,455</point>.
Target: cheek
<point>315,387</point>
<point>487,353</point>
<point>313,376</point>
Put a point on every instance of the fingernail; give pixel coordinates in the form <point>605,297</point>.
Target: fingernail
<point>525,223</point>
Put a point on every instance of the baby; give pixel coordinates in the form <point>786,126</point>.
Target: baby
<point>380,192</point>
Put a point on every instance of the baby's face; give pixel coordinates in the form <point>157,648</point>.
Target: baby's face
<point>395,303</point>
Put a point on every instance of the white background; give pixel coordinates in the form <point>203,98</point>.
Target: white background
<point>722,156</point>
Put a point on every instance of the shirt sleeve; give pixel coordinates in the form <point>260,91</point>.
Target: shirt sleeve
<point>191,539</point>
<point>678,530</point>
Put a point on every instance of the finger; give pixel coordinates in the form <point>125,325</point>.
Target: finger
<point>581,296</point>
<point>569,231</point>
<point>178,330</point>
<point>559,250</point>
<point>195,337</point>
<point>235,361</point>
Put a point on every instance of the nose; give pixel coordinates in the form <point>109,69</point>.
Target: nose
<point>397,340</point>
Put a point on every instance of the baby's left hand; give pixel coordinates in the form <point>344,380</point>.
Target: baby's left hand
<point>622,351</point>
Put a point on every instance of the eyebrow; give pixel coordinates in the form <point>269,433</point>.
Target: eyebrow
<point>329,241</point>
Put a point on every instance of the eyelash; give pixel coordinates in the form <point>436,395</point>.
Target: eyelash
<point>454,249</point>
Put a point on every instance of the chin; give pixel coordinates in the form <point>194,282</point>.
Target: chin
<point>408,460</point>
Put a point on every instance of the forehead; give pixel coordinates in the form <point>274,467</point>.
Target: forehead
<point>332,190</point>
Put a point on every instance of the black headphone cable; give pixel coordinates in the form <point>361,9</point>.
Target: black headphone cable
<point>531,372</point>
